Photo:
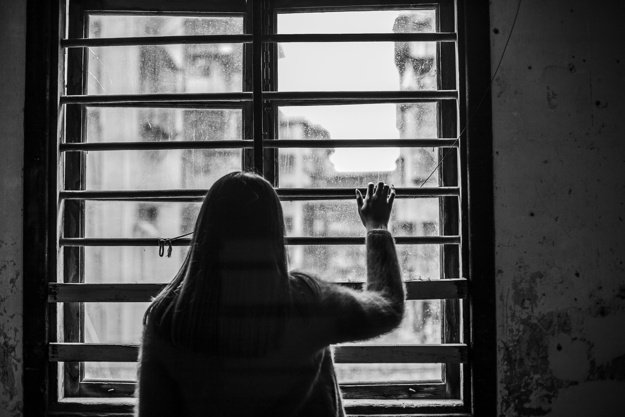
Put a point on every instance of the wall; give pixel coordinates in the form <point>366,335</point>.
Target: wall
<point>559,141</point>
<point>12,41</point>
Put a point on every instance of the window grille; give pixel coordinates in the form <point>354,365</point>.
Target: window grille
<point>161,100</point>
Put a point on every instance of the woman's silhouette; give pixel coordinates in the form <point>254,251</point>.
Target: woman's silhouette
<point>236,334</point>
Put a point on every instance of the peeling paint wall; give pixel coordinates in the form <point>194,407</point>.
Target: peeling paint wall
<point>559,141</point>
<point>12,53</point>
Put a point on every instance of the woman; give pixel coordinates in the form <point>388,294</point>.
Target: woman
<point>234,334</point>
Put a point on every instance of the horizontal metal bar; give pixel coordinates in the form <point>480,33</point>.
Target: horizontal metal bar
<point>285,194</point>
<point>121,99</point>
<point>359,143</point>
<point>363,37</point>
<point>400,240</point>
<point>103,293</point>
<point>154,40</point>
<point>348,97</point>
<point>248,38</point>
<point>268,143</point>
<point>162,145</point>
<point>448,353</point>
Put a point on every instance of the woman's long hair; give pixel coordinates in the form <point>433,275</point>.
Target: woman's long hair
<point>231,293</point>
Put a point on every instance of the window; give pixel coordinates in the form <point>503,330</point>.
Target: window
<point>159,101</point>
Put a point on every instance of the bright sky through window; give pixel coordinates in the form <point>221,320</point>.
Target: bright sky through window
<point>328,67</point>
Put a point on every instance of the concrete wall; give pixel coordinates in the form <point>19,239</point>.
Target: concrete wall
<point>12,61</point>
<point>559,141</point>
<point>559,197</point>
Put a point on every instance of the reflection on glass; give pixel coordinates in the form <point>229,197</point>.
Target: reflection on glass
<point>357,66</point>
<point>170,169</point>
<point>369,21</point>
<point>145,124</point>
<point>410,217</point>
<point>121,26</point>
<point>347,262</point>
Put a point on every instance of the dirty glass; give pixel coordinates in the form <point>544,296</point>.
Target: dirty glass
<point>348,262</point>
<point>365,21</point>
<point>160,169</point>
<point>161,124</point>
<point>357,66</point>
<point>410,217</point>
<point>121,26</point>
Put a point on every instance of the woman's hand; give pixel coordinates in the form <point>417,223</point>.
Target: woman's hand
<point>375,208</point>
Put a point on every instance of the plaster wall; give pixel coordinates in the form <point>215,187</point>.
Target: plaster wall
<point>559,198</point>
<point>12,64</point>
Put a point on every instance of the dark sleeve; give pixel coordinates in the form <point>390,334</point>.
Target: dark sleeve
<point>341,314</point>
<point>156,390</point>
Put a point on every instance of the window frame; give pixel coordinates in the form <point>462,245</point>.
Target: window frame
<point>41,176</point>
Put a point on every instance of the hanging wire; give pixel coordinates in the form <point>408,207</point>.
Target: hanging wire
<point>484,95</point>
<point>167,243</point>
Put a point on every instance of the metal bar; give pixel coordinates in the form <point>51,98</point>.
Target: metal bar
<point>268,143</point>
<point>285,194</point>
<point>168,98</point>
<point>450,353</point>
<point>153,40</point>
<point>102,293</point>
<point>363,37</point>
<point>359,143</point>
<point>400,240</point>
<point>344,97</point>
<point>163,145</point>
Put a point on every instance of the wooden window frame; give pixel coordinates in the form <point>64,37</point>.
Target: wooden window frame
<point>43,109</point>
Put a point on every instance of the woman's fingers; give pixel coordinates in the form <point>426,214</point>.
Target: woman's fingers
<point>369,190</point>
<point>391,197</point>
<point>379,189</point>
<point>359,199</point>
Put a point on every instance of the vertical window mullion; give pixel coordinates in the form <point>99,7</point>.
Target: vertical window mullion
<point>270,83</point>
<point>448,176</point>
<point>73,214</point>
<point>248,85</point>
<point>257,77</point>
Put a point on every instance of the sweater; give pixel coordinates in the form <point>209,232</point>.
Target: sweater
<point>295,379</point>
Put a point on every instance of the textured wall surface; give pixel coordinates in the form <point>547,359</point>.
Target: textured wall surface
<point>12,41</point>
<point>559,141</point>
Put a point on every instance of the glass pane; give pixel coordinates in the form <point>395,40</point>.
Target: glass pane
<point>170,169</point>
<point>359,121</point>
<point>134,124</point>
<point>369,21</point>
<point>347,262</point>
<point>410,217</point>
<point>357,66</point>
<point>355,167</point>
<point>205,68</point>
<point>387,372</point>
<point>131,264</point>
<point>139,219</point>
<point>122,26</point>
<point>122,371</point>
<point>115,323</point>
<point>346,373</point>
